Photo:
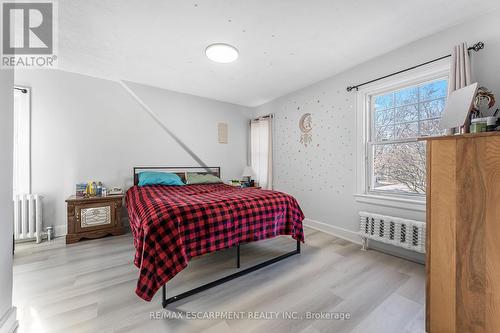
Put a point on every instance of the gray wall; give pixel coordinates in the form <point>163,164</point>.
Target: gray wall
<point>322,176</point>
<point>84,128</point>
<point>6,143</point>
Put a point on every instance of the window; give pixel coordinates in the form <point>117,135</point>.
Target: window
<point>395,159</point>
<point>262,151</point>
<point>22,139</point>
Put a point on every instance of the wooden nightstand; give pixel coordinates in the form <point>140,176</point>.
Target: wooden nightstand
<point>93,217</point>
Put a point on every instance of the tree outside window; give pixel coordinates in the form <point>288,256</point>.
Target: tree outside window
<point>398,118</point>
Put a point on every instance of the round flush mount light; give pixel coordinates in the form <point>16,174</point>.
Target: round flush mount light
<point>221,53</point>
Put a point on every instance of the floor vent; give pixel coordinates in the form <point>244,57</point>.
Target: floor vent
<point>396,231</point>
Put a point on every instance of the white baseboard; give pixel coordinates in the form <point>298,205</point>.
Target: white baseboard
<point>352,236</point>
<point>8,322</point>
<point>349,235</point>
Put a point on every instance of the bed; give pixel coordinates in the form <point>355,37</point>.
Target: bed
<point>172,224</point>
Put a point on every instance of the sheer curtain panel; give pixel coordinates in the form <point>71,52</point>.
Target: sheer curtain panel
<point>22,143</point>
<point>262,151</point>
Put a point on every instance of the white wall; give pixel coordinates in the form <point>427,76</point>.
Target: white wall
<point>84,128</point>
<point>6,232</point>
<point>322,176</point>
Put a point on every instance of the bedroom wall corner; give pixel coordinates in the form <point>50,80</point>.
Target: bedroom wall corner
<point>86,128</point>
<point>322,175</point>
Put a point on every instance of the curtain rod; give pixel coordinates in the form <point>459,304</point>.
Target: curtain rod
<point>476,47</point>
<point>264,117</point>
<point>24,91</point>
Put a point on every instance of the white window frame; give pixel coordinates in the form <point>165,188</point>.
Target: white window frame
<point>435,71</point>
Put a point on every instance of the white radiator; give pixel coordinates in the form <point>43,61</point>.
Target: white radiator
<point>28,217</point>
<point>396,231</point>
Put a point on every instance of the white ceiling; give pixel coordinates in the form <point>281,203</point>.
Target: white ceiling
<point>284,45</point>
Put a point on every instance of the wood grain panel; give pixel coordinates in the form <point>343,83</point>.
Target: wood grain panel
<point>472,289</point>
<point>442,254</point>
<point>492,235</point>
<point>471,195</point>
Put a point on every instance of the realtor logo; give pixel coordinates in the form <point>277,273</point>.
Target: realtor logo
<point>28,31</point>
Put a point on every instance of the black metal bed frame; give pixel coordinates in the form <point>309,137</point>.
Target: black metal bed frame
<point>165,301</point>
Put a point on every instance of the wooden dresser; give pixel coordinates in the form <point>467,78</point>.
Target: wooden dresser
<point>463,233</point>
<point>93,217</point>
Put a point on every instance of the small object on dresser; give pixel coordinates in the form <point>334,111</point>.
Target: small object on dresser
<point>235,182</point>
<point>248,174</point>
<point>458,107</point>
<point>491,123</point>
<point>483,102</point>
<point>80,190</point>
<point>478,125</point>
<point>99,189</point>
<point>115,191</point>
<point>91,190</point>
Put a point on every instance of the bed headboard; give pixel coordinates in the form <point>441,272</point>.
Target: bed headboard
<point>180,171</point>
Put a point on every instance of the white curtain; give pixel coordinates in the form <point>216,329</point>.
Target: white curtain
<point>22,143</point>
<point>460,72</point>
<point>460,77</point>
<point>262,151</point>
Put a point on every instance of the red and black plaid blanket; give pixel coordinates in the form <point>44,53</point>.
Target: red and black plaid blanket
<point>172,224</point>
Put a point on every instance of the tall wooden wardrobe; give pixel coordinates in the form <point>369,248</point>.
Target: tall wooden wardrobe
<point>463,233</point>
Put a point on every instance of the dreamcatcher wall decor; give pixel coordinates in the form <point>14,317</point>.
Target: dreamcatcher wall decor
<point>305,126</point>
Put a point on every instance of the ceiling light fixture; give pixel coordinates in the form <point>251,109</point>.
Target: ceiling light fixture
<point>221,53</point>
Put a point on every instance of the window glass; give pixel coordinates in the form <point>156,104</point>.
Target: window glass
<point>397,162</point>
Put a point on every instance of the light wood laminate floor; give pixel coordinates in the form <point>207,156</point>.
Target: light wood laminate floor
<point>89,287</point>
